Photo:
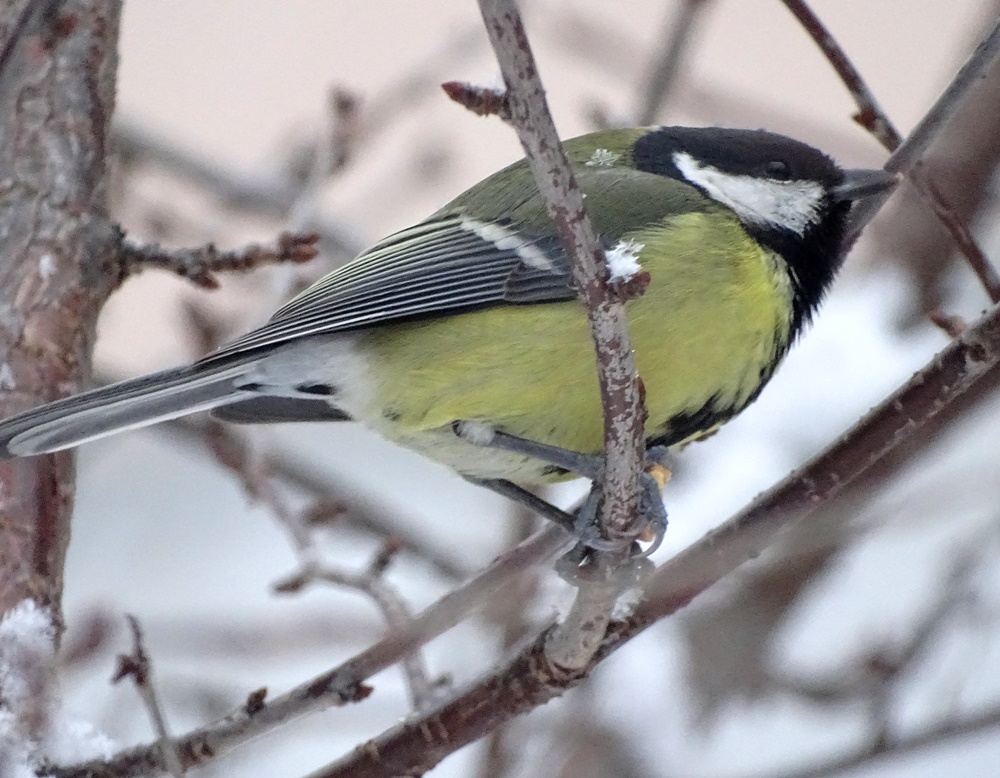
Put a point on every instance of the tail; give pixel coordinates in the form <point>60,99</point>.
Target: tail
<point>127,405</point>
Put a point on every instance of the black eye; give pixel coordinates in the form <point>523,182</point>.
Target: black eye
<point>777,170</point>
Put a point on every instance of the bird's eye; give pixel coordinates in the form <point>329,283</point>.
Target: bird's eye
<point>777,170</point>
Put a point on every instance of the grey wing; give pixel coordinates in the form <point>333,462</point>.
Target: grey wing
<point>446,264</point>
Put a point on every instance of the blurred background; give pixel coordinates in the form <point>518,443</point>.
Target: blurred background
<point>238,119</point>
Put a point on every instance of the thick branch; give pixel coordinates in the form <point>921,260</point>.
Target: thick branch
<point>57,87</point>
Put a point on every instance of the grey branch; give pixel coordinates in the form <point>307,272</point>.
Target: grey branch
<point>624,449</point>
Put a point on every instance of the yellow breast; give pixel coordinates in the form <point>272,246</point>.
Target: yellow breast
<point>707,333</point>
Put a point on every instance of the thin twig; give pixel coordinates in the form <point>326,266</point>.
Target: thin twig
<point>621,400</point>
<point>341,685</point>
<point>138,667</point>
<point>262,194</point>
<point>201,264</point>
<point>678,33</point>
<point>934,198</point>
<point>352,508</point>
<point>910,150</point>
<point>246,462</point>
<point>870,114</point>
<point>393,607</point>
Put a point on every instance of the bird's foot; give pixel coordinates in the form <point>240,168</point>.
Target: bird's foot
<point>585,523</point>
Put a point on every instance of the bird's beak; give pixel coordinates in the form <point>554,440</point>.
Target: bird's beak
<point>859,184</point>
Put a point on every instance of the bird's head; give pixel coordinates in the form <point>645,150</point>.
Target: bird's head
<point>789,196</point>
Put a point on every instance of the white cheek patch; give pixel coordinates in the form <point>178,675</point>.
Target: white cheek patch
<point>793,205</point>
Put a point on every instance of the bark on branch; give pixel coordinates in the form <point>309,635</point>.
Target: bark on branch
<point>58,63</point>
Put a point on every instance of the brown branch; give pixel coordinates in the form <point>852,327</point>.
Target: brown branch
<point>962,163</point>
<point>138,667</point>
<point>931,194</point>
<point>339,686</point>
<point>415,746</point>
<point>979,63</point>
<point>270,196</point>
<point>870,114</point>
<point>201,264</point>
<point>57,86</point>
<point>621,397</point>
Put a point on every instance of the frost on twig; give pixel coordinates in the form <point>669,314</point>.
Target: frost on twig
<point>34,733</point>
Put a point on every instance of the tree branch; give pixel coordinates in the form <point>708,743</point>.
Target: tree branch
<point>57,86</point>
<point>339,686</point>
<point>201,264</point>
<point>980,62</point>
<point>870,114</point>
<point>138,667</point>
<point>526,108</point>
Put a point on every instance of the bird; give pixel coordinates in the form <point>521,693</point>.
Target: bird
<point>469,320</point>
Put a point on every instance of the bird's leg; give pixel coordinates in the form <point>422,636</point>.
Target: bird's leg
<point>533,502</point>
<point>589,466</point>
<point>584,465</point>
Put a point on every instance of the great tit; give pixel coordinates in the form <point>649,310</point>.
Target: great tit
<point>471,316</point>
